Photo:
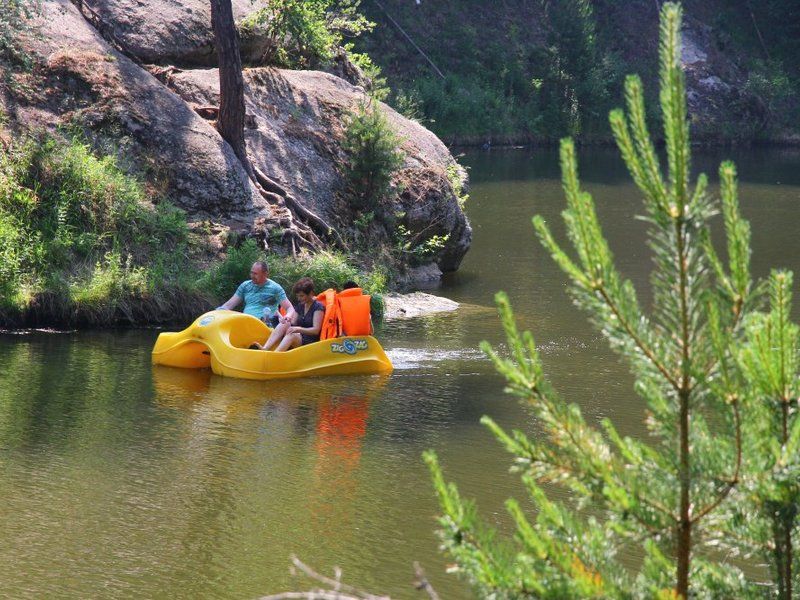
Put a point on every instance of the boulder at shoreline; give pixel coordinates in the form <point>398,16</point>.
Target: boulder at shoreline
<point>415,304</point>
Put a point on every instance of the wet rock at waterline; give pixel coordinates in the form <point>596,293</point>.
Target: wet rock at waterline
<point>415,304</point>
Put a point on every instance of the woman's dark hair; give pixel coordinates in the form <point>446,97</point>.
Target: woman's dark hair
<point>304,285</point>
<point>349,285</point>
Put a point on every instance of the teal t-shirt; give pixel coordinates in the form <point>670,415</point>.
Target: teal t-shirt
<point>257,298</point>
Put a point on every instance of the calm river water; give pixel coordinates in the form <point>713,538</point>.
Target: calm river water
<point>122,480</point>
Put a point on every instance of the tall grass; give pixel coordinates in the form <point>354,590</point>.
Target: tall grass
<point>80,241</point>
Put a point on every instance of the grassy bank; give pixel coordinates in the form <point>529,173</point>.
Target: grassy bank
<point>82,243</point>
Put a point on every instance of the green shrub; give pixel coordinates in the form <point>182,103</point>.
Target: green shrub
<point>417,251</point>
<point>114,283</point>
<point>222,280</point>
<point>575,86</point>
<point>305,33</point>
<point>378,87</point>
<point>76,224</point>
<point>82,206</point>
<point>326,269</point>
<point>455,175</point>
<point>374,156</point>
<point>768,80</point>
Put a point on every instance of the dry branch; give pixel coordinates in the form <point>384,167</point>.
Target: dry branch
<point>422,582</point>
<point>337,591</point>
<point>341,591</point>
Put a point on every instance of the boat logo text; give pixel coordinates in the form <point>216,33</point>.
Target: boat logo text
<point>349,346</point>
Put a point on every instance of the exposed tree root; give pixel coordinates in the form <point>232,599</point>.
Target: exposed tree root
<point>209,113</point>
<point>317,223</point>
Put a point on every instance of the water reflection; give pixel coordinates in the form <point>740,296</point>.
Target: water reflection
<point>118,479</point>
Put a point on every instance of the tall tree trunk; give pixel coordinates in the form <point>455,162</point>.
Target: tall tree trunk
<point>230,122</point>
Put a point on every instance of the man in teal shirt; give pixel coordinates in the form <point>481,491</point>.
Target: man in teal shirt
<point>262,297</point>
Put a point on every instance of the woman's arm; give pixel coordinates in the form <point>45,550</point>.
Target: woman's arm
<point>314,329</point>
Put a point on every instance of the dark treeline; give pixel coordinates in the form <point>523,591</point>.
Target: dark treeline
<point>547,68</point>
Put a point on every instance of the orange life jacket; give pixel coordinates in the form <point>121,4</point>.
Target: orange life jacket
<point>346,313</point>
<point>331,320</point>
<point>354,307</point>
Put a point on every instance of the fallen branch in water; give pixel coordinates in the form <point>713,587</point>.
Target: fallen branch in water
<point>341,591</point>
<point>422,582</point>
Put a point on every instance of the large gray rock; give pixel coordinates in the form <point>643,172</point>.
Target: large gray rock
<point>89,82</point>
<point>176,32</point>
<point>415,304</point>
<point>297,120</point>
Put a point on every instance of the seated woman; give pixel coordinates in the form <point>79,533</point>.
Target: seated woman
<point>305,325</point>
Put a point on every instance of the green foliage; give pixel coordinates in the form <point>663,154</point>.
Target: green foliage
<point>76,223</point>
<point>574,88</point>
<point>326,269</point>
<point>767,382</point>
<point>305,33</point>
<point>222,280</point>
<point>469,105</point>
<point>503,81</point>
<point>456,175</point>
<point>766,35</point>
<point>408,104</point>
<point>768,80</point>
<point>718,475</point>
<point>15,18</point>
<point>372,148</point>
<point>378,88</point>
<point>418,249</point>
<point>557,77</point>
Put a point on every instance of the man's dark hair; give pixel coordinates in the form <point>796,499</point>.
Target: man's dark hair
<point>263,264</point>
<point>349,285</point>
<point>305,285</point>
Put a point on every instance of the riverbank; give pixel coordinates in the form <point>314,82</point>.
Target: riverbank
<point>525,140</point>
<point>85,244</point>
<point>120,201</point>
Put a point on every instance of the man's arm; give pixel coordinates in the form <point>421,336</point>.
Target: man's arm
<point>231,304</point>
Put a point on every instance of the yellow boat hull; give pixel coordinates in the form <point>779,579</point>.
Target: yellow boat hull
<point>219,339</point>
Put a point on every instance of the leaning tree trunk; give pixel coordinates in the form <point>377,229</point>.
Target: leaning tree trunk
<point>230,122</point>
<point>302,225</point>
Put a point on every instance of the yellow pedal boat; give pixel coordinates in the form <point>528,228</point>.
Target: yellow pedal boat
<point>220,339</point>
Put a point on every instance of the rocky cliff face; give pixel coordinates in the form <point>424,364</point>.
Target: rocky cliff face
<point>109,67</point>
